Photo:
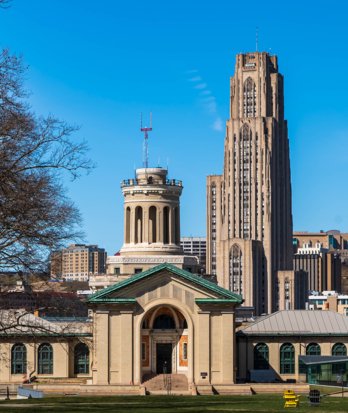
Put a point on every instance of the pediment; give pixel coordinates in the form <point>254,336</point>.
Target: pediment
<point>164,281</point>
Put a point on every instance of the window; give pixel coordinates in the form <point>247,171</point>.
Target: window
<point>313,349</point>
<point>18,359</point>
<point>339,349</point>
<point>117,271</point>
<point>249,104</point>
<point>81,359</point>
<point>45,359</point>
<point>137,270</point>
<point>164,322</point>
<point>287,359</point>
<point>261,357</point>
<point>143,351</point>
<point>184,351</point>
<point>236,269</point>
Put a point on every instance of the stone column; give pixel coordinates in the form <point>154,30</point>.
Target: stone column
<point>228,348</point>
<point>132,225</point>
<point>146,224</point>
<point>159,225</point>
<point>102,346</point>
<point>202,348</point>
<point>126,335</point>
<point>125,224</point>
<point>171,225</point>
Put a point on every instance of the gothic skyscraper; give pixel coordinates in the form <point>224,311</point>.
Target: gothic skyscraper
<point>249,219</point>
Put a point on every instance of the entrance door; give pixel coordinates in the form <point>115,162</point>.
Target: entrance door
<point>164,358</point>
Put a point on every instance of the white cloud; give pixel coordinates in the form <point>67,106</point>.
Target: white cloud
<point>201,86</point>
<point>217,125</point>
<point>195,79</point>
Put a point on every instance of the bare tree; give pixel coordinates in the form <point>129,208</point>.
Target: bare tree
<point>35,214</point>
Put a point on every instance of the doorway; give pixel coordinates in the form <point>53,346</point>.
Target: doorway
<point>164,358</point>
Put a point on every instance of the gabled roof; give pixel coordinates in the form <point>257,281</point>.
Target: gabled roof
<point>222,294</point>
<point>300,322</point>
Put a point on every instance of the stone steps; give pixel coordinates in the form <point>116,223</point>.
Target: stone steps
<point>175,383</point>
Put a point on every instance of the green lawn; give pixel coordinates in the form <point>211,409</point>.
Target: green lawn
<point>168,404</point>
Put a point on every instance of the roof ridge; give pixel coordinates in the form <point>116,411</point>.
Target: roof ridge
<point>172,268</point>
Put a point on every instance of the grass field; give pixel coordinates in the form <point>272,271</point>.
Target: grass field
<point>169,404</point>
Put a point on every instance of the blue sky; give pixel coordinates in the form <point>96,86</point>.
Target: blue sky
<point>100,64</point>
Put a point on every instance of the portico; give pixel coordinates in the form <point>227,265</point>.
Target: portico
<point>164,320</point>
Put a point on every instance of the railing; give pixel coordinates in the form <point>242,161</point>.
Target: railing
<point>167,380</point>
<point>135,182</point>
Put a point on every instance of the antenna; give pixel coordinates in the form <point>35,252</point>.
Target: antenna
<point>146,137</point>
<point>257,38</point>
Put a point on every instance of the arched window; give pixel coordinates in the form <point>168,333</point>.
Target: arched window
<point>339,349</point>
<point>261,357</point>
<point>127,234</point>
<point>236,269</point>
<point>165,225</point>
<point>249,102</point>
<point>138,224</point>
<point>287,359</point>
<point>81,359</point>
<point>164,322</point>
<point>152,224</point>
<point>18,359</point>
<point>313,349</point>
<point>45,359</point>
<point>245,181</point>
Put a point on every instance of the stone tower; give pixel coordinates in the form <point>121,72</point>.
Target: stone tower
<point>151,213</point>
<point>151,225</point>
<point>249,218</point>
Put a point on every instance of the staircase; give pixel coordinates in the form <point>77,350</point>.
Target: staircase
<point>166,384</point>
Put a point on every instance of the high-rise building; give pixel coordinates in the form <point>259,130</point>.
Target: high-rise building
<point>195,246</point>
<point>78,261</point>
<point>249,219</point>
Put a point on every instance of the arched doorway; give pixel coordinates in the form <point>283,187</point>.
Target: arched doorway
<point>164,342</point>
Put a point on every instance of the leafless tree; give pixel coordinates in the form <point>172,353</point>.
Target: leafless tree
<point>35,214</point>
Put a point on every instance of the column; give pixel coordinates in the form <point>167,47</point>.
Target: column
<point>202,349</point>
<point>146,224</point>
<point>171,225</point>
<point>228,348</point>
<point>132,225</point>
<point>126,363</point>
<point>102,346</point>
<point>159,225</point>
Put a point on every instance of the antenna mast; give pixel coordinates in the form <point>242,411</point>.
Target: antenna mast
<point>146,130</point>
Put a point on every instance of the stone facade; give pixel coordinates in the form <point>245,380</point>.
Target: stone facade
<point>164,314</point>
<point>249,219</point>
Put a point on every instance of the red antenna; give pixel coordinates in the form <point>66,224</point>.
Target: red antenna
<point>146,130</point>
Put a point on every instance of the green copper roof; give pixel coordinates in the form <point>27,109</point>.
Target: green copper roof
<point>216,300</point>
<point>101,296</point>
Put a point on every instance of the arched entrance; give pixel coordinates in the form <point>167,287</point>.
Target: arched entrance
<point>164,342</point>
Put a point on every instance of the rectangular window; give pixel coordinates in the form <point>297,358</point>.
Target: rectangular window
<point>117,271</point>
<point>143,351</point>
<point>184,351</point>
<point>137,270</point>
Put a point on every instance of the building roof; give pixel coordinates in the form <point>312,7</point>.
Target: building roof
<point>222,293</point>
<point>315,360</point>
<point>299,322</point>
<point>21,322</point>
